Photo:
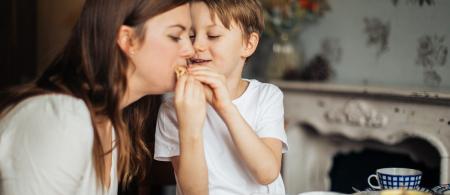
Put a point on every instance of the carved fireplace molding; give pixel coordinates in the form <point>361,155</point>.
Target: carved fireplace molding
<point>357,113</point>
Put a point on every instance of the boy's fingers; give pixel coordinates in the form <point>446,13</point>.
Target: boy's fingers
<point>205,73</point>
<point>206,78</point>
<point>209,74</point>
<point>211,82</point>
<point>201,68</point>
<point>193,66</point>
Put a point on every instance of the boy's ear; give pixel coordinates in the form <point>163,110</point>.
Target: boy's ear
<point>126,41</point>
<point>250,45</point>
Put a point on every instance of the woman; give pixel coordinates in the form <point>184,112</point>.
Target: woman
<point>80,127</point>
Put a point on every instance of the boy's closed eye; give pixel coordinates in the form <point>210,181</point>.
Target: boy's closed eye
<point>213,36</point>
<point>214,33</point>
<point>210,36</point>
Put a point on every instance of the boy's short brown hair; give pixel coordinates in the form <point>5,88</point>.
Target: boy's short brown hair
<point>248,14</point>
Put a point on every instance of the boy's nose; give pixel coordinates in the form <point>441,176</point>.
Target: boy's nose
<point>199,46</point>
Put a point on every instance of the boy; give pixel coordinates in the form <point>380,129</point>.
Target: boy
<point>243,133</point>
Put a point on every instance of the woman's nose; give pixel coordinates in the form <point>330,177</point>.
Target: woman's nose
<point>188,50</point>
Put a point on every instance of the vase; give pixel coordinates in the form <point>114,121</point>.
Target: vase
<point>285,56</point>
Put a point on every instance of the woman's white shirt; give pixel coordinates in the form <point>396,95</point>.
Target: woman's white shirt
<point>46,147</point>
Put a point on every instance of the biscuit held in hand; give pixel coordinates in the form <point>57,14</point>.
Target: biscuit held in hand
<point>180,71</point>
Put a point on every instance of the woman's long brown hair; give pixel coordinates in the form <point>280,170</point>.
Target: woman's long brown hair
<point>93,68</point>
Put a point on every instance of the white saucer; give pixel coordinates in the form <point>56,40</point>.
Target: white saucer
<point>442,189</point>
<point>321,193</point>
<point>420,189</point>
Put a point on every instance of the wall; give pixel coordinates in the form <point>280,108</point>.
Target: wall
<point>17,51</point>
<point>54,22</point>
<point>383,50</point>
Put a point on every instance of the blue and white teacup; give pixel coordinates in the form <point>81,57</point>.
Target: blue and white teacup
<point>396,178</point>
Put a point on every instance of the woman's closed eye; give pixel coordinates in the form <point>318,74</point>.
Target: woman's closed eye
<point>175,38</point>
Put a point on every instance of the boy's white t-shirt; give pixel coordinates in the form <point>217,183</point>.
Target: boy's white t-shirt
<point>46,146</point>
<point>261,105</point>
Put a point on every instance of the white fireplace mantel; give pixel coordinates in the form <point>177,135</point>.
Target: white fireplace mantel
<point>357,113</point>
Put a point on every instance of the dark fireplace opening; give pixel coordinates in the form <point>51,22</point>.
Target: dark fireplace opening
<point>352,169</point>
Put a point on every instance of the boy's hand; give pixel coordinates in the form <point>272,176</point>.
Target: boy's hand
<point>190,104</point>
<point>216,92</point>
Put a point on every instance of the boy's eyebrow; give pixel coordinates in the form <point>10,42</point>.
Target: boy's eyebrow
<point>178,26</point>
